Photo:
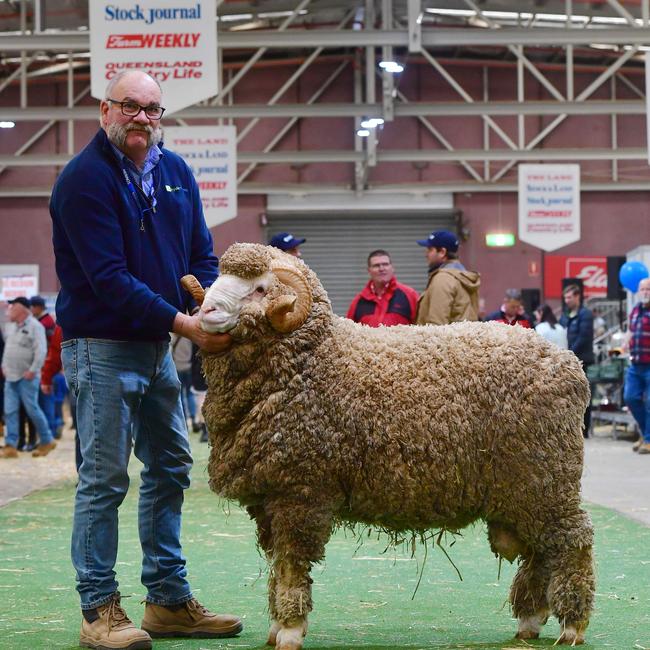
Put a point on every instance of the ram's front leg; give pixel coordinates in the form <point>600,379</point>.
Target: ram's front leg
<point>300,532</point>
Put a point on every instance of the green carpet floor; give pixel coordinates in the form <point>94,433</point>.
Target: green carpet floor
<point>362,594</point>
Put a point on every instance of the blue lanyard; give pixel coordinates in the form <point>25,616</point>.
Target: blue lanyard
<point>131,187</point>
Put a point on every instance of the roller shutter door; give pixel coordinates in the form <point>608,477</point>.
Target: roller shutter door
<point>337,246</point>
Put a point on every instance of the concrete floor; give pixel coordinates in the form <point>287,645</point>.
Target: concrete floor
<point>614,476</point>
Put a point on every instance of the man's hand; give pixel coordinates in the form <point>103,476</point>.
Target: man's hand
<point>188,326</point>
<point>29,375</point>
<point>46,389</point>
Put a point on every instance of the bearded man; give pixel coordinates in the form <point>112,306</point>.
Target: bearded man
<point>127,224</point>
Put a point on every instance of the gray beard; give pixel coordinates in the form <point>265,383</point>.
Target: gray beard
<point>117,134</point>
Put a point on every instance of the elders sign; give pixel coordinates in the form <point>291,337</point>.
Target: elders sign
<point>549,205</point>
<point>175,41</point>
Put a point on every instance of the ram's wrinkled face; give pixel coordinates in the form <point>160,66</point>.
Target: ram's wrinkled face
<point>225,299</point>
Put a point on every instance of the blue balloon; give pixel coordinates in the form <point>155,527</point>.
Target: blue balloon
<point>631,274</point>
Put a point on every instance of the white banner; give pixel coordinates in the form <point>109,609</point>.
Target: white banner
<point>175,41</point>
<point>549,205</point>
<point>13,286</point>
<point>211,153</point>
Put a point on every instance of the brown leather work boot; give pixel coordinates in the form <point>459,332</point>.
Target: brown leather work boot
<point>189,619</point>
<point>9,452</point>
<point>44,450</point>
<point>108,627</point>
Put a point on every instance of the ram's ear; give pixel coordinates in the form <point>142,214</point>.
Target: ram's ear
<point>194,288</point>
<point>288,313</point>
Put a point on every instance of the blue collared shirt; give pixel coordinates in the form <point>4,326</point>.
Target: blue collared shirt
<point>144,177</point>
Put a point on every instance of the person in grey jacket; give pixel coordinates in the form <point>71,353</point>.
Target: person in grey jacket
<point>22,360</point>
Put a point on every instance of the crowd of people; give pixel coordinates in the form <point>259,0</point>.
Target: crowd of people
<point>127,222</point>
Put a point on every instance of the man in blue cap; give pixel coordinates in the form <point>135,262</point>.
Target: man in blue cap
<point>452,291</point>
<point>286,242</point>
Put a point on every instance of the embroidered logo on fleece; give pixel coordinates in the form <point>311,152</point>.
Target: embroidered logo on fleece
<point>176,188</point>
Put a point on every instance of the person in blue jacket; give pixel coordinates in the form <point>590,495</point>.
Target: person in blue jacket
<point>579,324</point>
<point>127,224</point>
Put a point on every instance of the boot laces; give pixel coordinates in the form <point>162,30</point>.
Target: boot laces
<point>195,605</point>
<point>116,616</point>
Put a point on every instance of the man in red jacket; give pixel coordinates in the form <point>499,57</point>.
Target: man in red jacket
<point>383,301</point>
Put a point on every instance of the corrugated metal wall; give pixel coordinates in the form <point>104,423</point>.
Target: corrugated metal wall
<point>337,246</point>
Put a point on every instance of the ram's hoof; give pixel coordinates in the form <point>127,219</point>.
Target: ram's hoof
<point>571,636</point>
<point>273,633</point>
<point>527,634</point>
<point>289,638</point>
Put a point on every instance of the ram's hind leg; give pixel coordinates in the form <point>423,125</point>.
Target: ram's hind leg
<point>571,592</point>
<point>300,532</point>
<point>528,595</point>
<point>528,590</point>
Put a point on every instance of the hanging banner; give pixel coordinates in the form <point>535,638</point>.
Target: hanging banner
<point>175,41</point>
<point>13,286</point>
<point>211,153</point>
<point>591,270</point>
<point>549,205</point>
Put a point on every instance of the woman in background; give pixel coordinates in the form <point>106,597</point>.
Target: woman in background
<point>549,328</point>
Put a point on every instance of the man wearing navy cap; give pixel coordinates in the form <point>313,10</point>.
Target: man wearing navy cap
<point>286,242</point>
<point>452,291</point>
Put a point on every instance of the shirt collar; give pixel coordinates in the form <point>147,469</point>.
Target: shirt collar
<point>153,158</point>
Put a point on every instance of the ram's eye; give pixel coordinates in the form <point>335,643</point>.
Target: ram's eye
<point>259,290</point>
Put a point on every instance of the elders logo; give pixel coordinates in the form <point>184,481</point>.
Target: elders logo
<point>592,272</point>
<point>133,41</point>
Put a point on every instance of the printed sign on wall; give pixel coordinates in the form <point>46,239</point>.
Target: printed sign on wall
<point>549,205</point>
<point>591,270</point>
<point>12,286</point>
<point>175,41</point>
<point>211,153</point>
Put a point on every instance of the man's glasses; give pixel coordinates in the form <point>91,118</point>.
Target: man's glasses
<point>131,109</point>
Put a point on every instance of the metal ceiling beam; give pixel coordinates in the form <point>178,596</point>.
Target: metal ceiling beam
<point>311,38</point>
<point>407,189</point>
<point>395,155</point>
<point>411,109</point>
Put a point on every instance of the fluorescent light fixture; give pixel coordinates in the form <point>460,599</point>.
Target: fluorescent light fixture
<point>7,125</point>
<point>372,123</point>
<point>363,133</point>
<point>391,66</point>
<point>526,15</point>
<point>499,239</point>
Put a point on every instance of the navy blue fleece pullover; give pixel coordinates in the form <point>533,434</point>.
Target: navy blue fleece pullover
<point>119,263</point>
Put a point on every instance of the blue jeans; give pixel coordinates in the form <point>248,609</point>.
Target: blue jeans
<point>635,394</point>
<point>25,391</point>
<point>189,403</point>
<point>46,402</point>
<point>128,393</point>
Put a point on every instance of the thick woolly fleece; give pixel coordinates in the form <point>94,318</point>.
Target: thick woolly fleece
<point>407,428</point>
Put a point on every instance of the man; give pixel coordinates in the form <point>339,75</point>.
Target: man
<point>383,301</point>
<point>127,224</point>
<point>22,360</point>
<point>511,311</point>
<point>578,321</point>
<point>286,242</point>
<point>637,380</point>
<point>45,401</point>
<point>451,294</point>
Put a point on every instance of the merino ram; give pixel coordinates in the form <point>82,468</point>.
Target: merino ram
<point>315,420</point>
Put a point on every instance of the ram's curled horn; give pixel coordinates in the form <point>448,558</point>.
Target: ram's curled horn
<point>288,313</point>
<point>194,288</point>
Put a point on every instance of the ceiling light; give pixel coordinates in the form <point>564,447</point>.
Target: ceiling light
<point>7,125</point>
<point>391,66</point>
<point>372,123</point>
<point>363,133</point>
